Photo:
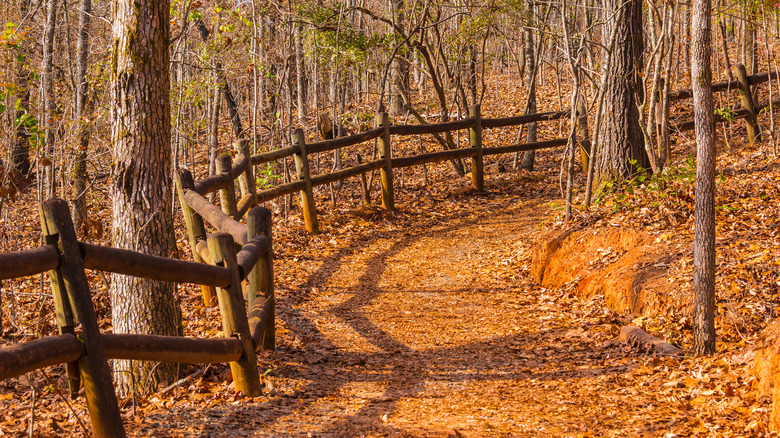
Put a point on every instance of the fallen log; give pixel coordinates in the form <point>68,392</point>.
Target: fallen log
<point>636,336</point>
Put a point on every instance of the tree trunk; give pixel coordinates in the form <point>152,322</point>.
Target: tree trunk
<point>530,80</point>
<point>80,159</point>
<point>685,10</point>
<point>704,239</point>
<point>621,136</point>
<point>300,73</point>
<point>751,45</point>
<point>20,149</point>
<point>230,101</point>
<point>213,137</point>
<point>141,181</point>
<point>47,109</point>
<point>400,71</point>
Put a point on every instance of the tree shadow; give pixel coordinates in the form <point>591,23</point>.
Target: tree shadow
<point>400,370</point>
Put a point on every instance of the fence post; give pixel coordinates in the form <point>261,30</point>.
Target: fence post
<point>196,230</point>
<point>385,153</point>
<point>66,321</point>
<point>247,179</point>
<point>57,228</point>
<point>754,133</point>
<point>307,194</point>
<point>475,141</point>
<point>583,136</point>
<point>234,318</point>
<point>227,196</point>
<point>261,279</point>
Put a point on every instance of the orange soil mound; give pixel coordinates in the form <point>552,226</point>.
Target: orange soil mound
<point>625,266</point>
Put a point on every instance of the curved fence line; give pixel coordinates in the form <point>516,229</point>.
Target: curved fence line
<point>237,253</point>
<point>245,323</point>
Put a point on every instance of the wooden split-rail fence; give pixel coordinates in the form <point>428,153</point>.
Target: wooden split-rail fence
<point>196,207</point>
<point>85,350</point>
<point>234,265</point>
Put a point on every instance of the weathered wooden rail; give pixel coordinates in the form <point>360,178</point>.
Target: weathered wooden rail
<point>749,111</point>
<point>237,258</point>
<point>197,208</point>
<point>86,350</point>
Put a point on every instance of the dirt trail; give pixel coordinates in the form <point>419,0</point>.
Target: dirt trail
<point>438,332</point>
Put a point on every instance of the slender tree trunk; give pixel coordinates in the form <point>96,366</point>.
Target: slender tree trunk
<point>213,137</point>
<point>704,239</point>
<point>751,45</point>
<point>530,80</point>
<point>230,100</point>
<point>141,181</point>
<point>685,10</point>
<point>80,159</point>
<point>300,73</point>
<point>400,71</point>
<point>724,45</point>
<point>575,96</point>
<point>48,110</point>
<point>20,148</point>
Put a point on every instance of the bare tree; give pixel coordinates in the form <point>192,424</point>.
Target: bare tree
<point>20,148</point>
<point>80,161</point>
<point>704,239</point>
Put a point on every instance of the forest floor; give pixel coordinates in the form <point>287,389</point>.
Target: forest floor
<point>426,322</point>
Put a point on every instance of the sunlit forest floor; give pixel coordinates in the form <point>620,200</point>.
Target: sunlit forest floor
<point>426,322</point>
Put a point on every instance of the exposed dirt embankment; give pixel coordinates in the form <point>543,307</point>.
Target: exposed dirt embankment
<point>638,273</point>
<point>627,267</point>
<point>766,369</point>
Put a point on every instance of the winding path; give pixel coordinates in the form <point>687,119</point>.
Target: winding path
<point>437,331</point>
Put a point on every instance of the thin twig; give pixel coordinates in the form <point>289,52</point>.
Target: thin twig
<point>67,403</point>
<point>199,372</point>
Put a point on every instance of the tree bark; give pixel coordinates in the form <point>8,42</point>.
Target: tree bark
<point>621,136</point>
<point>300,73</point>
<point>141,184</point>
<point>529,56</point>
<point>20,148</point>
<point>400,71</point>
<point>230,100</point>
<point>704,239</point>
<point>80,159</point>
<point>47,107</point>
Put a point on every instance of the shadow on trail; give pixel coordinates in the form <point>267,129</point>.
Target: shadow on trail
<point>399,369</point>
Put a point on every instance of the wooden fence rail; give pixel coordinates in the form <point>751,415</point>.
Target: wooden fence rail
<point>234,266</point>
<point>231,211</point>
<point>247,327</point>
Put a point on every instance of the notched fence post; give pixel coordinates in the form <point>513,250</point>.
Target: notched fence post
<point>234,318</point>
<point>57,228</point>
<point>385,153</point>
<point>307,194</point>
<point>261,279</point>
<point>66,320</point>
<point>475,140</point>
<point>246,179</point>
<point>196,230</point>
<point>227,196</point>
